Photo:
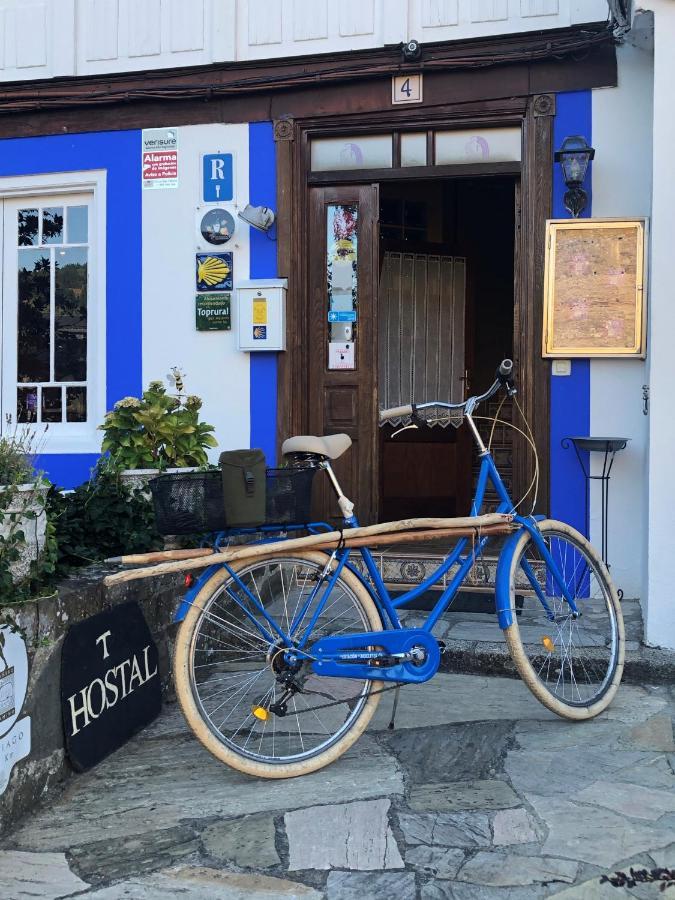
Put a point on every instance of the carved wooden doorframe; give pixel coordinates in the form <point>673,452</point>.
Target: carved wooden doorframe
<point>535,115</point>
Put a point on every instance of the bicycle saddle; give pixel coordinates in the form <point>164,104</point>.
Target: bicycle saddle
<point>330,445</point>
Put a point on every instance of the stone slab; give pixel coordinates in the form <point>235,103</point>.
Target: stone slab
<point>359,837</point>
<point>248,842</point>
<point>201,883</point>
<point>43,875</point>
<point>593,890</point>
<point>665,856</point>
<point>502,869</point>
<point>551,773</point>
<point>169,781</point>
<point>446,890</point>
<point>467,830</point>
<point>440,862</point>
<point>632,800</point>
<point>513,826</point>
<point>597,836</point>
<point>456,795</point>
<point>373,886</point>
<point>468,751</point>
<point>449,698</point>
<point>654,734</point>
<point>103,861</point>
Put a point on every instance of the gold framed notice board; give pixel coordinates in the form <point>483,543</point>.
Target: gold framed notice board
<point>594,294</point>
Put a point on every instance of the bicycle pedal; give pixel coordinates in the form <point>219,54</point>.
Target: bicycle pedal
<point>442,646</point>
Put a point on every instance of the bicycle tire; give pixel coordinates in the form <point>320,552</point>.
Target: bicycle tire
<point>524,646</point>
<point>193,708</point>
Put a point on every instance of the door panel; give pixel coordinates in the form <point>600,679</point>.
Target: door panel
<point>342,252</point>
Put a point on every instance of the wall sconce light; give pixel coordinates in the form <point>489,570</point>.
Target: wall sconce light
<point>260,217</point>
<point>574,157</point>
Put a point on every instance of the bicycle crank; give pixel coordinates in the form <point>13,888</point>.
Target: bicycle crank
<point>407,655</point>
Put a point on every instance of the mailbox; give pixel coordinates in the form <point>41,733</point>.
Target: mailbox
<point>261,314</point>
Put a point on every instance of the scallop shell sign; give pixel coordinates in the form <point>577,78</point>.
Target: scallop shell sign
<point>14,735</point>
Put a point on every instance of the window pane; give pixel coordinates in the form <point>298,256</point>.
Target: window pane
<point>26,404</point>
<point>488,145</point>
<point>78,220</point>
<point>28,227</point>
<point>76,404</point>
<point>373,152</point>
<point>414,149</point>
<point>342,283</point>
<point>70,316</point>
<point>33,315</point>
<point>52,225</point>
<point>51,404</point>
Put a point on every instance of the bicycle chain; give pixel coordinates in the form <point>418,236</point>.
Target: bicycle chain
<point>298,712</point>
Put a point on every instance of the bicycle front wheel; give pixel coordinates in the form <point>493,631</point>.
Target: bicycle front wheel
<point>572,664</point>
<point>228,673</point>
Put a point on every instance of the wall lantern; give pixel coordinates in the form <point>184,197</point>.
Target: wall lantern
<point>574,157</point>
<point>260,217</point>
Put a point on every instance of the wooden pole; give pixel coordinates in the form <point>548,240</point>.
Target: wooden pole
<point>327,541</point>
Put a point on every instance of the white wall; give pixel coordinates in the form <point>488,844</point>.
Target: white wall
<point>622,187</point>
<point>49,38</point>
<point>661,518</point>
<point>215,369</point>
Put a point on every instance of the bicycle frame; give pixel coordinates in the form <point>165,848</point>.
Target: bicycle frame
<point>461,555</point>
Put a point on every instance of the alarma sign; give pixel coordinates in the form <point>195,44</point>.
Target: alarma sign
<point>159,152</point>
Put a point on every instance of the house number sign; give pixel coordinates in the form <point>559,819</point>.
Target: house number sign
<point>406,89</point>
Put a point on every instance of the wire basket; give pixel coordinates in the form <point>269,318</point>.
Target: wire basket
<point>192,502</point>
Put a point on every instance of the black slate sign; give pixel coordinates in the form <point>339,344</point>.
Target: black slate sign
<point>110,686</point>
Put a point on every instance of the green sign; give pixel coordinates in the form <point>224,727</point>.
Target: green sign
<point>213,312</point>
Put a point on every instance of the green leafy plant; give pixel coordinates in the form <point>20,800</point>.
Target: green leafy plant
<point>18,507</point>
<point>157,430</point>
<point>102,517</point>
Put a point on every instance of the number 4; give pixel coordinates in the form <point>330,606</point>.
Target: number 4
<point>406,88</point>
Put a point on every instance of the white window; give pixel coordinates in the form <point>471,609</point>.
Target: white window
<point>53,312</point>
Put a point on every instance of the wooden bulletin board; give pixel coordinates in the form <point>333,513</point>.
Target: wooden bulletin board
<point>594,302</point>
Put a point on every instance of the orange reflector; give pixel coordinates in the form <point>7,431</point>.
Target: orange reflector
<point>548,643</point>
<point>189,579</point>
<point>260,713</point>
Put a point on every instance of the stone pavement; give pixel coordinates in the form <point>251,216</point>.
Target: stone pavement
<point>479,794</point>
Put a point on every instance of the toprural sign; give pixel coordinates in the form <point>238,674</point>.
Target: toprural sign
<point>14,732</point>
<point>110,685</point>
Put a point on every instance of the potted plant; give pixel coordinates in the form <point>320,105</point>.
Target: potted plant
<point>156,432</point>
<point>23,520</point>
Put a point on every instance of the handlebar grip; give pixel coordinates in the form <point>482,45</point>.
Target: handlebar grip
<point>396,412</point>
<point>505,371</point>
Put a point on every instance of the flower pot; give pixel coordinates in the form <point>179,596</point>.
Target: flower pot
<point>29,504</point>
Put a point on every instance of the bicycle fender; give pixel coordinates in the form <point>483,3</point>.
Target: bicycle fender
<point>191,593</point>
<point>502,586</point>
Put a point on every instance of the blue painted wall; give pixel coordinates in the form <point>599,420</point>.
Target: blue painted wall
<point>119,153</point>
<point>263,192</point>
<point>570,395</point>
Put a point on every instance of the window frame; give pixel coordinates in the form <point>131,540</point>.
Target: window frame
<point>60,437</point>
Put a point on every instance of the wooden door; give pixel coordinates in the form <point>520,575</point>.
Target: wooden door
<point>342,246</point>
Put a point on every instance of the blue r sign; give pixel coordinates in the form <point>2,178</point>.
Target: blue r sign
<point>217,170</point>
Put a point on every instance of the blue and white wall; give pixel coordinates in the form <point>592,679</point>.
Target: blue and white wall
<point>604,397</point>
<point>226,378</point>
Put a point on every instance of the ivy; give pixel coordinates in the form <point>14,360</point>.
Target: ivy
<point>103,517</point>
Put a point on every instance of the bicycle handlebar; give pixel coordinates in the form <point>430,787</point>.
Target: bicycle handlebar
<point>503,378</point>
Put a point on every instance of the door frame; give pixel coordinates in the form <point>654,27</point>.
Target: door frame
<point>535,115</point>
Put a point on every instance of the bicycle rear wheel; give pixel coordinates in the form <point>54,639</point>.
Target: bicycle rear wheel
<point>573,665</point>
<point>226,671</point>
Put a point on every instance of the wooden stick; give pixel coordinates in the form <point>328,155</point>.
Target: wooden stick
<point>313,542</point>
<point>158,556</point>
<point>141,559</point>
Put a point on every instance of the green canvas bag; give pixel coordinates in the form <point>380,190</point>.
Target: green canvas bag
<point>243,473</point>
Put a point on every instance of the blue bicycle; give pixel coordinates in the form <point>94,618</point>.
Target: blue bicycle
<point>280,661</point>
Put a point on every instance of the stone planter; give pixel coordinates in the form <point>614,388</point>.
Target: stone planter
<point>30,505</point>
